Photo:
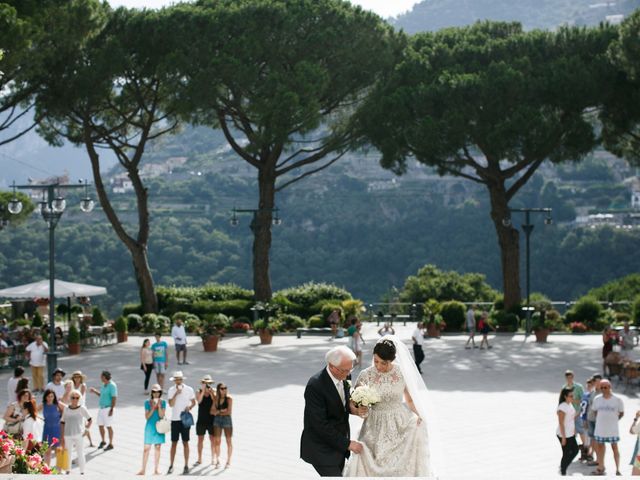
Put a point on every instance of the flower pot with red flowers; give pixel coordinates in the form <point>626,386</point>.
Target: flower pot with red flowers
<point>211,329</point>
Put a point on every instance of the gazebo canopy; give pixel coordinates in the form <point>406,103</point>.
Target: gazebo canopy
<point>62,289</point>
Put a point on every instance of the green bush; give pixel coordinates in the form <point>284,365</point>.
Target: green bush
<point>73,336</point>
<point>149,323</point>
<point>274,325</point>
<point>232,308</point>
<point>352,308</point>
<point>622,317</point>
<point>453,314</point>
<point>214,324</point>
<point>191,322</point>
<point>97,317</point>
<point>37,320</point>
<point>290,322</point>
<point>588,311</point>
<point>163,323</point>
<point>316,321</point>
<point>636,311</point>
<point>134,321</point>
<point>121,324</point>
<point>304,297</point>
<point>130,308</point>
<point>505,321</point>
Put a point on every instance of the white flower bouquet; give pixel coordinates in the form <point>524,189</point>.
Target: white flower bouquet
<point>364,395</point>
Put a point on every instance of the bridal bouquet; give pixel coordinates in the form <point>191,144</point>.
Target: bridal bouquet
<point>364,395</point>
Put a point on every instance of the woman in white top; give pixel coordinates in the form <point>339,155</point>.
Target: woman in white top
<point>32,425</point>
<point>73,427</point>
<point>78,378</point>
<point>566,431</point>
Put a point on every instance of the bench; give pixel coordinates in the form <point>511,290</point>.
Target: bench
<point>391,318</point>
<point>313,331</point>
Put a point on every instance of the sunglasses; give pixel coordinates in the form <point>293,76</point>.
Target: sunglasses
<point>605,388</point>
<point>75,398</point>
<point>223,388</point>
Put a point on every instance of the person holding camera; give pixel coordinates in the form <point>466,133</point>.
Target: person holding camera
<point>206,398</point>
<point>182,398</point>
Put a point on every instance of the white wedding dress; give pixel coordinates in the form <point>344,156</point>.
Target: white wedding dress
<point>394,444</point>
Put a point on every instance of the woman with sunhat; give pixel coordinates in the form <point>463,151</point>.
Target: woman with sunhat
<point>79,380</point>
<point>154,409</point>
<point>205,397</point>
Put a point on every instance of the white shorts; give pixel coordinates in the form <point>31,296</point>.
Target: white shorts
<point>104,420</point>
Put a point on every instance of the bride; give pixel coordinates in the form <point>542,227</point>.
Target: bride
<point>394,434</point>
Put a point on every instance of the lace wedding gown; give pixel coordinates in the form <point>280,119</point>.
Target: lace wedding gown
<point>394,444</point>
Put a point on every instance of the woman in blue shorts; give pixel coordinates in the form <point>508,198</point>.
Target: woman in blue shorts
<point>222,422</point>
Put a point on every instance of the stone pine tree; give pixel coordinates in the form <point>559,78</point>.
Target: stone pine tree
<point>490,103</point>
<point>111,96</point>
<point>27,30</point>
<point>280,78</point>
<point>620,114</point>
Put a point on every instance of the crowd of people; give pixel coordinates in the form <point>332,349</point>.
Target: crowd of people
<point>60,416</point>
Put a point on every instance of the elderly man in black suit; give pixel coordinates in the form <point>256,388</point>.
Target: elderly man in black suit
<point>325,441</point>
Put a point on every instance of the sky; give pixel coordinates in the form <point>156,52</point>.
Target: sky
<point>384,8</point>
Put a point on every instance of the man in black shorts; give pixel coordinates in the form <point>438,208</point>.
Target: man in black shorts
<point>182,398</point>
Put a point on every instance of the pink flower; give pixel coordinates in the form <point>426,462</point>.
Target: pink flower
<point>35,458</point>
<point>54,440</point>
<point>6,447</point>
<point>45,470</point>
<point>20,451</point>
<point>30,436</point>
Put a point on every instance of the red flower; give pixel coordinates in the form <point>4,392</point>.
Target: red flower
<point>30,436</point>
<point>54,440</point>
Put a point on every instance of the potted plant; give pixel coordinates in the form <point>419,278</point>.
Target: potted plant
<point>211,329</point>
<point>121,329</point>
<point>543,324</point>
<point>265,329</point>
<point>73,340</point>
<point>435,325</point>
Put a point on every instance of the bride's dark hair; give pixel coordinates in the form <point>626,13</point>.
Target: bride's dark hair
<point>385,349</point>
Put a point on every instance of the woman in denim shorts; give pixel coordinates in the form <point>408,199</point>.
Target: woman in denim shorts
<point>222,422</point>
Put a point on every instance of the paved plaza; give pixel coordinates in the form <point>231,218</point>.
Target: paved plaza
<point>495,409</point>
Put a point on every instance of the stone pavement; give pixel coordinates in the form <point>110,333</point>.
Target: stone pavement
<point>495,408</point>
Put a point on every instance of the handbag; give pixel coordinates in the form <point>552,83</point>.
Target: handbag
<point>62,459</point>
<point>163,425</point>
<point>13,428</point>
<point>187,419</point>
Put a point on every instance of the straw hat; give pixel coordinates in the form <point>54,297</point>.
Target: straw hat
<point>78,373</point>
<point>177,374</point>
<point>156,387</point>
<point>206,379</point>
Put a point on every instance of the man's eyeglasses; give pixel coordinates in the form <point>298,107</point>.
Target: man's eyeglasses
<point>605,388</point>
<point>342,370</point>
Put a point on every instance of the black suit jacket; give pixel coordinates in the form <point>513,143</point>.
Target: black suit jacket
<point>325,438</point>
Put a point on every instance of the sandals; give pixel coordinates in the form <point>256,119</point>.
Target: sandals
<point>597,472</point>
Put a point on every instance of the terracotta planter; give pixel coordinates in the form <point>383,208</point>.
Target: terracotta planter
<point>74,348</point>
<point>210,343</point>
<point>265,337</point>
<point>541,335</point>
<point>432,330</point>
<point>122,336</point>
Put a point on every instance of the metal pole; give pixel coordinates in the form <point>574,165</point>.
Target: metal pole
<point>528,228</point>
<point>52,356</point>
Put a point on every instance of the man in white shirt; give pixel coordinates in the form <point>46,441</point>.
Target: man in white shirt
<point>182,398</point>
<point>418,340</point>
<point>56,384</point>
<point>37,353</point>
<point>180,339</point>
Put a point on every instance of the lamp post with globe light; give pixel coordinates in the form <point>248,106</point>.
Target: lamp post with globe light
<point>52,206</point>
<point>527,228</point>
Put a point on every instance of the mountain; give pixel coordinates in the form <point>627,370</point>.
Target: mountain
<point>431,15</point>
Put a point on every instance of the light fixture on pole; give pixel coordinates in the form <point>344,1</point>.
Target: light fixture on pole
<point>52,206</point>
<point>234,221</point>
<point>527,228</point>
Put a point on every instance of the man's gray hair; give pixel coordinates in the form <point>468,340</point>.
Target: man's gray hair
<point>336,355</point>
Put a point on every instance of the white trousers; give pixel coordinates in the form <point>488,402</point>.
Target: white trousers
<point>76,441</point>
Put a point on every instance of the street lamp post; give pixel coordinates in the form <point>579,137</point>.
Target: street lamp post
<point>254,220</point>
<point>52,207</point>
<point>527,228</point>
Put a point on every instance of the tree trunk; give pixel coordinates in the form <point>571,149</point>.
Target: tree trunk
<point>261,228</point>
<point>146,286</point>
<point>137,247</point>
<point>509,240</point>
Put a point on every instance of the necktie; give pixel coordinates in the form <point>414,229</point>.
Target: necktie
<point>340,388</point>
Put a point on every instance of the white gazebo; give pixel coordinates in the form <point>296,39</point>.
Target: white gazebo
<point>62,290</point>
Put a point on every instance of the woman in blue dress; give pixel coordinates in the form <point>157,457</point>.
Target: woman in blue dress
<point>154,409</point>
<point>51,411</point>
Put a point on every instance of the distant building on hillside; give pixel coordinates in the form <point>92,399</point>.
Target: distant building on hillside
<point>121,184</point>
